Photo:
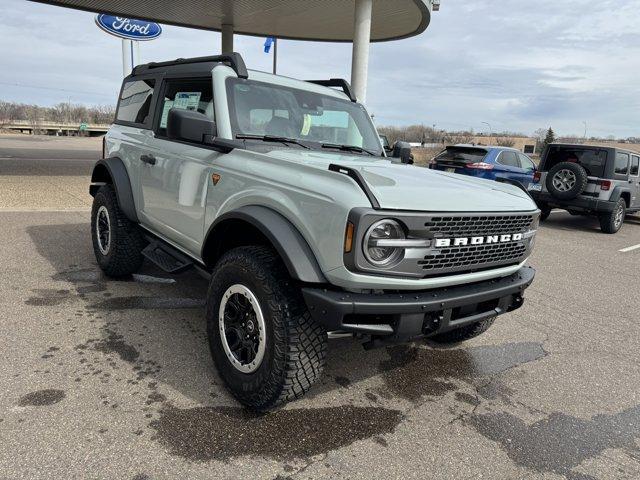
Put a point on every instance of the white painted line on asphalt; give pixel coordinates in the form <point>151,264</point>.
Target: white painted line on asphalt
<point>45,210</point>
<point>630,249</point>
<point>557,211</point>
<point>149,279</point>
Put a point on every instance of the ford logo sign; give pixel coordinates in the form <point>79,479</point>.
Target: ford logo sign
<point>128,28</point>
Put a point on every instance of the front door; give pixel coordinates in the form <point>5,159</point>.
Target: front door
<point>634,180</point>
<point>176,177</point>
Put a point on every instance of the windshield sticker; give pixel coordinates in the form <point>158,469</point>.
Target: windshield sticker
<point>306,126</point>
<point>187,100</point>
<point>165,113</point>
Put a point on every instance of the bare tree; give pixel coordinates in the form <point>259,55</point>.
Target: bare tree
<point>62,113</point>
<point>6,112</point>
<point>505,142</point>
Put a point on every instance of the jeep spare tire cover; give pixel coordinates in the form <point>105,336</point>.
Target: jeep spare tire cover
<point>566,180</point>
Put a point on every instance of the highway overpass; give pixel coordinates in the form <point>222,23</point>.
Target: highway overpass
<point>53,128</point>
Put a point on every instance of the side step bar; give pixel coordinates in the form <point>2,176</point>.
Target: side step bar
<point>166,257</point>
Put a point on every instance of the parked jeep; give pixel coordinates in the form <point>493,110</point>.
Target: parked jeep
<point>588,180</point>
<point>280,192</point>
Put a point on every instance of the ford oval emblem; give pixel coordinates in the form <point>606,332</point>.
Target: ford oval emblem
<point>128,28</point>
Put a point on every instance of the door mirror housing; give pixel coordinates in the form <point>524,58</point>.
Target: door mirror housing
<point>190,126</point>
<point>402,150</point>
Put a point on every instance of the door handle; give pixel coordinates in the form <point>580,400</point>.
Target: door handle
<point>148,159</point>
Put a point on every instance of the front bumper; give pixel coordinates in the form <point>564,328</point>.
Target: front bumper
<point>406,315</point>
<point>586,204</point>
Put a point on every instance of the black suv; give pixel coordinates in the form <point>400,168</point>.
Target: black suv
<point>589,180</point>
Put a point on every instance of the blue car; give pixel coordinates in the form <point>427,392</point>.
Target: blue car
<point>487,162</point>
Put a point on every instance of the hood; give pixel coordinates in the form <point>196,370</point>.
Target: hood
<point>408,187</point>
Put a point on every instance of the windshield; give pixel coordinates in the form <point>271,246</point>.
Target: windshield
<point>257,108</point>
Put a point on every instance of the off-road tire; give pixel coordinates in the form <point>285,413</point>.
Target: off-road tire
<point>296,346</point>
<point>581,180</point>
<point>464,333</point>
<point>609,222</point>
<point>124,255</point>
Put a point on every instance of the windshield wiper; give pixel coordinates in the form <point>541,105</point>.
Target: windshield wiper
<point>349,148</point>
<point>272,138</point>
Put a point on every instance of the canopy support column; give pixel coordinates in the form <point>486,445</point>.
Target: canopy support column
<point>361,42</point>
<point>227,38</point>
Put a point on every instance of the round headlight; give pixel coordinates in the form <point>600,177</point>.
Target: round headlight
<point>374,251</point>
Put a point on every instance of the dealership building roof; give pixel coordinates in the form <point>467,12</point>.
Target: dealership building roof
<point>357,21</point>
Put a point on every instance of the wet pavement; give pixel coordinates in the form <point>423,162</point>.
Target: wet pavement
<point>113,379</point>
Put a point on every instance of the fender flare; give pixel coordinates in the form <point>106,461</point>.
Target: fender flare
<point>617,193</point>
<point>294,250</point>
<point>121,183</point>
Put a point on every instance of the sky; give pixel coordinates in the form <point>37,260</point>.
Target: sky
<point>518,65</point>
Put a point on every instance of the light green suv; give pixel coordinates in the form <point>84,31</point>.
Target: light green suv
<point>280,192</point>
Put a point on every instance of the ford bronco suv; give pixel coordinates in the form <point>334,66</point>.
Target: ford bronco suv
<point>588,180</point>
<point>280,192</point>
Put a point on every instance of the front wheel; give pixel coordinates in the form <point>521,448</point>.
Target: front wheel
<point>266,347</point>
<point>612,222</point>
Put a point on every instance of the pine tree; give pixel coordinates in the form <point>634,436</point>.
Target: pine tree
<point>550,138</point>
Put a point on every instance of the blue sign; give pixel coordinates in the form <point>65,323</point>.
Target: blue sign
<point>128,28</point>
<point>267,44</point>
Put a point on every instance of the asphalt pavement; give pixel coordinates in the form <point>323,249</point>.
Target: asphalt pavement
<point>113,379</point>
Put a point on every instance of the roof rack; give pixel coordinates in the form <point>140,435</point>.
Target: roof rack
<point>234,60</point>
<point>337,82</point>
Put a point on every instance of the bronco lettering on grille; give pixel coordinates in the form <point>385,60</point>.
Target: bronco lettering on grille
<point>462,241</point>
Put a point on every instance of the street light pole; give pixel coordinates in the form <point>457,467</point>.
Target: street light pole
<point>490,129</point>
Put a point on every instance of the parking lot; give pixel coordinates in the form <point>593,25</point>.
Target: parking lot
<point>113,379</point>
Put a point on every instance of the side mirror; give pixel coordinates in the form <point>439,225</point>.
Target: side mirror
<point>190,126</point>
<point>402,150</point>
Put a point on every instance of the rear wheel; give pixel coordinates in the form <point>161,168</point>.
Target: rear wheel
<point>117,241</point>
<point>465,333</point>
<point>545,211</point>
<point>266,347</point>
<point>611,222</point>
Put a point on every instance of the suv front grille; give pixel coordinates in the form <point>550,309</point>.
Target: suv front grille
<point>459,259</point>
<point>484,225</point>
<point>475,257</point>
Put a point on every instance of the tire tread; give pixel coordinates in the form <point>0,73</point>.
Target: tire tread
<point>300,344</point>
<point>464,333</point>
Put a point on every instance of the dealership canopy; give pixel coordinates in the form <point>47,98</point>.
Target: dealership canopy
<point>357,21</point>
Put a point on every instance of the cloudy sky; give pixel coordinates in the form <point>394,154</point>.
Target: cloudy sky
<point>516,64</point>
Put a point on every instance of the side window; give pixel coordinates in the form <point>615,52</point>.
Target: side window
<point>192,94</point>
<point>135,101</point>
<point>510,159</point>
<point>622,164</point>
<point>526,162</point>
<point>635,165</point>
